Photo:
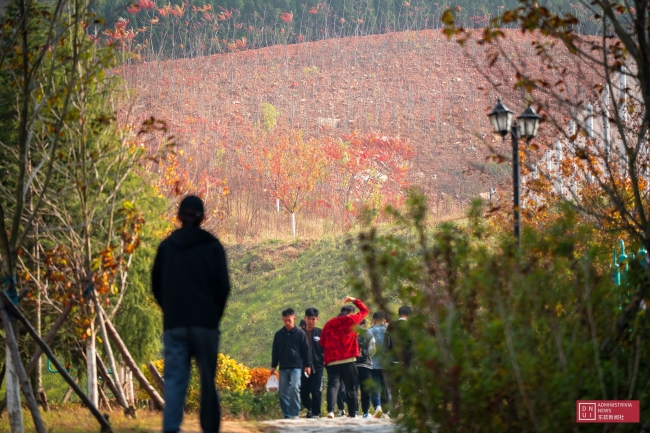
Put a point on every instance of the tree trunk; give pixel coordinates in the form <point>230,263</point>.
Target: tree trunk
<point>128,360</point>
<point>129,386</point>
<point>91,366</point>
<point>42,398</point>
<point>277,205</point>
<point>38,372</point>
<point>293,223</point>
<point>37,378</point>
<point>23,380</point>
<point>13,395</point>
<point>109,352</point>
<point>160,382</point>
<point>72,382</point>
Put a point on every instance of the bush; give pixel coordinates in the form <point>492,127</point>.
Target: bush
<point>231,376</point>
<point>259,376</point>
<point>505,338</point>
<point>247,405</point>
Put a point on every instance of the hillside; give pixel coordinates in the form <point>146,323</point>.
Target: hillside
<point>415,85</point>
<point>272,276</point>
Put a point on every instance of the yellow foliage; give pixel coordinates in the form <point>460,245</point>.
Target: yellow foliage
<point>231,375</point>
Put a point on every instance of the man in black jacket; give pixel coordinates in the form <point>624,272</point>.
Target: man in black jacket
<point>291,351</point>
<point>367,348</point>
<point>190,283</point>
<point>311,388</point>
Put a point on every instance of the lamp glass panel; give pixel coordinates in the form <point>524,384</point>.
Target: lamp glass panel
<point>509,116</point>
<point>526,123</point>
<point>531,127</point>
<point>494,122</point>
<point>535,127</point>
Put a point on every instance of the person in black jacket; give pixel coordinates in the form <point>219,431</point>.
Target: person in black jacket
<point>311,388</point>
<point>367,348</point>
<point>291,351</point>
<point>397,340</point>
<point>190,283</point>
<point>399,347</point>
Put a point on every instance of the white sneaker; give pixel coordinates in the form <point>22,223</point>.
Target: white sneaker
<point>330,415</point>
<point>378,412</point>
<point>295,417</point>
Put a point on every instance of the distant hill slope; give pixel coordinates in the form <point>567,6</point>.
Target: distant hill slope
<point>272,276</point>
<point>415,85</point>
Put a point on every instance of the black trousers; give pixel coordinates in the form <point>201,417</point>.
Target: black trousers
<point>346,374</point>
<point>364,381</point>
<point>311,391</point>
<point>340,397</point>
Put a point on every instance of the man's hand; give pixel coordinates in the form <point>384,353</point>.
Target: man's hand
<point>272,371</point>
<point>307,371</point>
<point>349,299</point>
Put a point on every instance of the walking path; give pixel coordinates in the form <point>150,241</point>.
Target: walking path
<point>336,425</point>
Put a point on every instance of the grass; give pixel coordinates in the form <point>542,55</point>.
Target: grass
<point>79,420</point>
<point>274,275</point>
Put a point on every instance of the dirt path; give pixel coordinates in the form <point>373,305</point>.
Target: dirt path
<point>325,425</point>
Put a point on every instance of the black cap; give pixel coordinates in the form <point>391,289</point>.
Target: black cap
<point>191,205</point>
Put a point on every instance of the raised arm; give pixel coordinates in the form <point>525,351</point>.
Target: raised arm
<point>363,310</point>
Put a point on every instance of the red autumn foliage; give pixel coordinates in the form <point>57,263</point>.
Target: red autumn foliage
<point>259,376</point>
<point>416,87</point>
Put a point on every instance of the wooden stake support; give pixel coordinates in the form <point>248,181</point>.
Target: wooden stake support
<point>119,395</point>
<point>114,386</point>
<point>158,401</point>
<point>17,364</point>
<point>4,299</point>
<point>160,382</point>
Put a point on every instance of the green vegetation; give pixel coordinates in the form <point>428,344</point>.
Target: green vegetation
<point>272,276</point>
<point>506,338</point>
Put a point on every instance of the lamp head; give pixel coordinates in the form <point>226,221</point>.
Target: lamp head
<point>529,123</point>
<point>501,118</point>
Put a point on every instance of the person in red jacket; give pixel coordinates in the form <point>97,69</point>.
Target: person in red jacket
<point>340,351</point>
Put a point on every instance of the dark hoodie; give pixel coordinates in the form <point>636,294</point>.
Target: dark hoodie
<point>190,279</point>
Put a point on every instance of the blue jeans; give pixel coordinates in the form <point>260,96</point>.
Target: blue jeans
<point>181,344</point>
<point>380,395</point>
<point>290,391</point>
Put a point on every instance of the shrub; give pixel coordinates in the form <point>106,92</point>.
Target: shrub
<point>231,375</point>
<point>246,404</point>
<point>259,376</point>
<point>505,338</point>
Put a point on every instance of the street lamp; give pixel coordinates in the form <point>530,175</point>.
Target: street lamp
<point>525,127</point>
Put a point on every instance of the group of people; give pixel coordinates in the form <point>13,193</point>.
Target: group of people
<point>353,355</point>
<point>191,284</point>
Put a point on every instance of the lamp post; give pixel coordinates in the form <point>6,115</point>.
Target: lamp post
<point>525,127</point>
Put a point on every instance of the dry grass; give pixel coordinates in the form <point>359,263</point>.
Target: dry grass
<point>78,420</point>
